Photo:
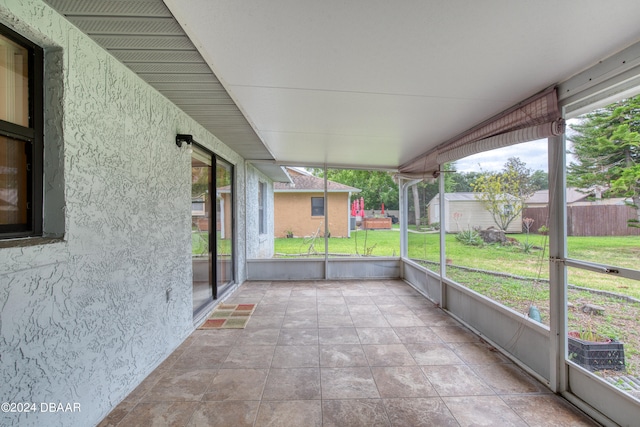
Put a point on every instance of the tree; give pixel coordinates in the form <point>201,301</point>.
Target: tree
<point>416,204</point>
<point>539,180</point>
<point>377,186</point>
<point>462,182</point>
<point>504,193</point>
<point>606,145</point>
<point>424,191</point>
<point>518,171</point>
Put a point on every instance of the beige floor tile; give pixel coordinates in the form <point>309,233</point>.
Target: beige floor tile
<point>298,337</point>
<point>358,300</point>
<point>433,354</point>
<point>417,334</point>
<point>482,411</point>
<point>218,337</point>
<point>391,306</point>
<point>237,384</point>
<point>388,355</point>
<point>250,356</point>
<point>454,334</point>
<point>354,413</point>
<point>456,380</point>
<point>202,357</point>
<point>402,381</point>
<point>364,310</point>
<point>300,321</point>
<point>342,356</point>
<point>419,412</point>
<point>301,309</point>
<point>118,413</point>
<point>330,336</point>
<point>333,310</point>
<point>179,386</point>
<point>370,321</point>
<point>478,353</point>
<point>296,356</point>
<point>388,302</point>
<point>293,384</point>
<point>340,353</point>
<point>334,321</point>
<point>159,414</point>
<point>436,318</point>
<point>228,413</point>
<point>146,385</point>
<point>258,337</point>
<point>403,320</point>
<point>304,292</point>
<point>348,383</point>
<point>547,411</point>
<point>270,309</point>
<point>508,379</point>
<point>257,321</point>
<point>333,298</point>
<point>292,413</point>
<point>377,336</point>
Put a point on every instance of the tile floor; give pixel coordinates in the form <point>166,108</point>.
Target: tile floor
<point>352,353</point>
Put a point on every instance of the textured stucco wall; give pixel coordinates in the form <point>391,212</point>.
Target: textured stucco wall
<point>258,245</point>
<point>86,318</point>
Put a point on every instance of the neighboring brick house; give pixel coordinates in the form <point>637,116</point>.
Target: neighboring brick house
<point>299,206</point>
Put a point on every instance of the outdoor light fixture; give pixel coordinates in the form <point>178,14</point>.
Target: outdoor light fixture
<point>181,137</point>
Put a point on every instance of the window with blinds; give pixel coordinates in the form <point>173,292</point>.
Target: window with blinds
<point>20,136</point>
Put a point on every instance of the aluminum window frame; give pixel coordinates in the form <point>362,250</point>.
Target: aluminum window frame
<point>33,135</point>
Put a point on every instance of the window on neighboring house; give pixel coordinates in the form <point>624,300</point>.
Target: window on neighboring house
<point>317,206</point>
<point>21,65</point>
<point>197,206</point>
<point>261,203</point>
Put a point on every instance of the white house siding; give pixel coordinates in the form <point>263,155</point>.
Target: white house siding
<point>86,318</point>
<point>473,214</point>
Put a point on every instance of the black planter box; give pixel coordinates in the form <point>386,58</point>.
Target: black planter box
<point>597,356</point>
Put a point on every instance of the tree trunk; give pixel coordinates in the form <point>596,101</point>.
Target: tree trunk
<point>416,204</point>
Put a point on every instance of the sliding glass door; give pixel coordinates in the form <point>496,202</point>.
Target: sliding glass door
<point>224,253</point>
<point>201,228</point>
<point>212,195</point>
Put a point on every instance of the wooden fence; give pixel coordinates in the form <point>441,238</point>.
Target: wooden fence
<point>594,220</point>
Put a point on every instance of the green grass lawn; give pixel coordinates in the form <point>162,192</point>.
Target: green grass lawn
<point>620,320</point>
<point>619,251</point>
<point>200,244</point>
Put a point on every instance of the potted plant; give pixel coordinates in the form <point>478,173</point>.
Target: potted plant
<point>595,352</point>
<point>289,233</point>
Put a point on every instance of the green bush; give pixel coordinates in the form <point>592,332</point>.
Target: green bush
<point>470,238</point>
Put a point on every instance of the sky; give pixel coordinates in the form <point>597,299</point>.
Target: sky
<point>533,154</point>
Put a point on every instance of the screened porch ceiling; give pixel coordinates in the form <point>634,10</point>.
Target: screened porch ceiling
<point>367,84</point>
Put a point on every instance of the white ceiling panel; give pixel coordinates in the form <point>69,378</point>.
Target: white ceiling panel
<point>376,82</point>
<point>369,83</point>
<point>299,117</point>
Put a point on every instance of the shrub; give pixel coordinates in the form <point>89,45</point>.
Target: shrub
<point>527,247</point>
<point>470,238</point>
